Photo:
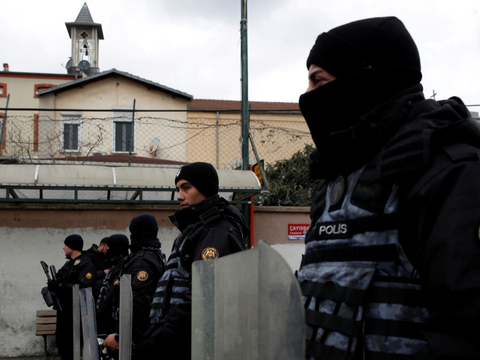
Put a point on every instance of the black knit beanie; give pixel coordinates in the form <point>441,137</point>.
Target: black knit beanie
<point>74,242</point>
<point>143,227</point>
<point>201,175</point>
<point>380,44</point>
<point>117,244</point>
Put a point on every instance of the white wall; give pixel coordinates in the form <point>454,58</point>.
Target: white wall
<point>292,253</point>
<point>22,278</point>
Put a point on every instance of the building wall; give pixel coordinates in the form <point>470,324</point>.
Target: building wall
<point>216,138</point>
<point>21,87</point>
<point>97,127</point>
<point>271,224</point>
<point>29,234</point>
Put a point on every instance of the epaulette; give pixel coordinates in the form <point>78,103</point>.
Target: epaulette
<point>409,151</point>
<point>461,152</point>
<point>210,216</point>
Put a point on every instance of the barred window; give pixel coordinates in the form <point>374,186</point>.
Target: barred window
<point>123,131</point>
<point>71,132</point>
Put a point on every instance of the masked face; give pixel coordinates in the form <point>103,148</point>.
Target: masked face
<point>337,114</point>
<point>318,77</point>
<point>117,245</point>
<point>325,109</point>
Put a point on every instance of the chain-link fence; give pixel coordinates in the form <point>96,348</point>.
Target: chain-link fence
<point>149,139</point>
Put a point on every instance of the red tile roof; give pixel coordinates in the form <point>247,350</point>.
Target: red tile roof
<point>231,105</point>
<point>120,158</point>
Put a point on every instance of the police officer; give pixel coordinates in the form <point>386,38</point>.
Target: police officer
<point>96,255</point>
<point>209,228</point>
<point>77,270</point>
<point>391,267</point>
<point>146,265</point>
<point>107,303</point>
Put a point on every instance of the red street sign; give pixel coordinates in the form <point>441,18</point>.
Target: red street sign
<point>297,231</point>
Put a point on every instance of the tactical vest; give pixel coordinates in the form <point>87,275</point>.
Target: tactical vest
<point>175,283</point>
<point>102,296</point>
<point>363,298</point>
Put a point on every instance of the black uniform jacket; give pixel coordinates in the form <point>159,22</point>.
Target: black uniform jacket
<point>108,302</point>
<point>217,229</point>
<point>432,151</point>
<point>212,230</point>
<point>98,260</point>
<point>75,271</point>
<point>146,266</point>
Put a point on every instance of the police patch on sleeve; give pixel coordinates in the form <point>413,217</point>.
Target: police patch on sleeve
<point>210,253</point>
<point>115,282</point>
<point>142,275</point>
<point>89,276</point>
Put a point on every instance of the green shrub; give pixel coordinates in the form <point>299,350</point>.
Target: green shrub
<point>290,182</point>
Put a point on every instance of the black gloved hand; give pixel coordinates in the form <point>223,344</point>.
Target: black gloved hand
<point>53,285</point>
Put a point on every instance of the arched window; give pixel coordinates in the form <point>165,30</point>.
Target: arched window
<point>3,90</point>
<point>40,87</point>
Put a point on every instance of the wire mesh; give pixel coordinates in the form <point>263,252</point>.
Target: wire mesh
<point>151,139</point>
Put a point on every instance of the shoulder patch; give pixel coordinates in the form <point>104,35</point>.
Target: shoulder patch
<point>116,282</point>
<point>142,275</point>
<point>338,191</point>
<point>210,253</point>
<point>89,276</point>
<point>77,262</point>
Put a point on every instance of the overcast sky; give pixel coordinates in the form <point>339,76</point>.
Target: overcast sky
<point>194,46</point>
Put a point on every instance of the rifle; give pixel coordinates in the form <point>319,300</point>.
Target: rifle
<point>54,272</point>
<point>50,297</point>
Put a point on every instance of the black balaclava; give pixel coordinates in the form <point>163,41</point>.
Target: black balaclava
<point>201,175</point>
<point>117,248</point>
<point>373,60</point>
<point>74,242</point>
<point>143,229</point>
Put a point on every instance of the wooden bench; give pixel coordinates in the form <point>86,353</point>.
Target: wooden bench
<point>46,325</point>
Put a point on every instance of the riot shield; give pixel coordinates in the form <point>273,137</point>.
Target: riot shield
<point>247,306</point>
<point>76,322</point>
<point>126,313</point>
<point>89,325</point>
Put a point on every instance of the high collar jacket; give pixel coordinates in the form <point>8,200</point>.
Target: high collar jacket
<point>428,153</point>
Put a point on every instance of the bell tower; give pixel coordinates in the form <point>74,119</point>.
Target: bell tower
<point>85,35</point>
